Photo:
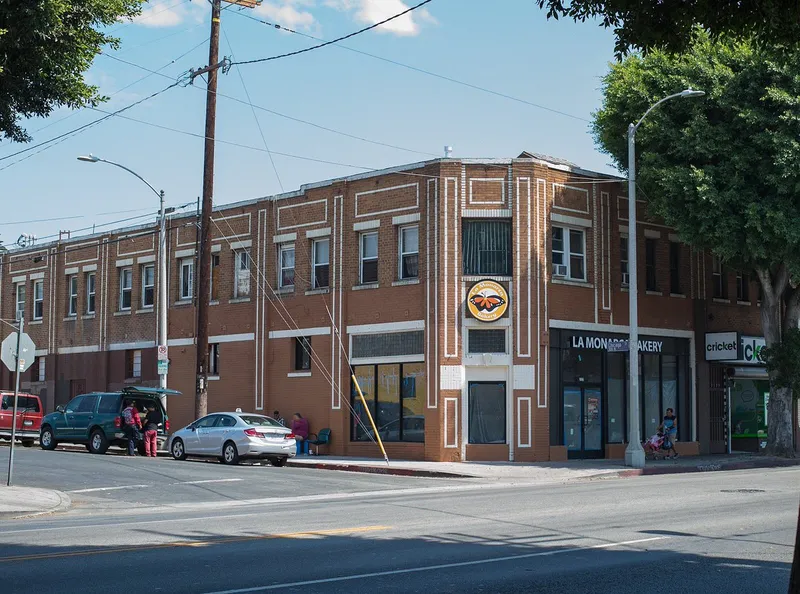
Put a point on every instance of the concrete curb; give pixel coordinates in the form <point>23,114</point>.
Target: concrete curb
<point>379,470</point>
<point>710,467</point>
<point>64,504</point>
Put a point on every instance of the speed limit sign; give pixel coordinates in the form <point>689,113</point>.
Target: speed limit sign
<point>162,352</point>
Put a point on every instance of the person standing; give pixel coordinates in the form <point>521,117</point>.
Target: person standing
<point>154,418</point>
<point>300,430</point>
<point>669,426</point>
<point>132,425</point>
<point>277,416</point>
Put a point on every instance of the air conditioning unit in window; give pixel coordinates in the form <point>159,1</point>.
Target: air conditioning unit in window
<point>626,279</point>
<point>560,270</point>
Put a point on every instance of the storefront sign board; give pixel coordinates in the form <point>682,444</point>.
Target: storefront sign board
<point>722,346</point>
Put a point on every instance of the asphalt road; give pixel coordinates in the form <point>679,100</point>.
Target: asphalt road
<point>727,532</point>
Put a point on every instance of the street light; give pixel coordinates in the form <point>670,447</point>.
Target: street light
<point>162,265</point>
<point>634,453</point>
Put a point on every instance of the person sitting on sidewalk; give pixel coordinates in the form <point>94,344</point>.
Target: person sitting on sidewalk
<point>131,425</point>
<point>152,421</point>
<point>300,430</point>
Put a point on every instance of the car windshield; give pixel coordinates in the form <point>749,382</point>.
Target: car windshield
<point>259,421</point>
<point>24,403</point>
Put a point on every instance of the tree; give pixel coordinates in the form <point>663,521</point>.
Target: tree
<point>45,48</point>
<point>724,171</point>
<point>668,24</point>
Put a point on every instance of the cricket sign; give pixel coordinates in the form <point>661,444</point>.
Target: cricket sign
<point>487,301</point>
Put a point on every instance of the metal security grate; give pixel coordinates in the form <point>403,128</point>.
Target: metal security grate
<point>394,344</point>
<point>487,341</point>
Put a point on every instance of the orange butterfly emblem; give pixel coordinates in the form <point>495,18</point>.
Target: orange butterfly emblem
<point>487,303</point>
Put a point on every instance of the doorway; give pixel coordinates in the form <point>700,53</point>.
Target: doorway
<point>583,421</point>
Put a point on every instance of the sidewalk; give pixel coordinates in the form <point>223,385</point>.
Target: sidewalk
<point>544,472</point>
<point>27,501</point>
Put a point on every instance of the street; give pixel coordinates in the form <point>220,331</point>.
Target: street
<point>197,527</point>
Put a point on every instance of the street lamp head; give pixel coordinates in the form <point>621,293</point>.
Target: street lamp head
<point>690,92</point>
<point>89,159</point>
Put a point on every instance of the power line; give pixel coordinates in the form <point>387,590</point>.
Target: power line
<point>338,39</point>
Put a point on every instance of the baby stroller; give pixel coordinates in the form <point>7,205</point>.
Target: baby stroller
<point>657,446</point>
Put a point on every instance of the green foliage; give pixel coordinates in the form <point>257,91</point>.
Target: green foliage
<point>723,169</point>
<point>782,358</point>
<point>668,24</point>
<point>45,47</point>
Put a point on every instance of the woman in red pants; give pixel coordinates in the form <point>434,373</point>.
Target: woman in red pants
<point>152,421</point>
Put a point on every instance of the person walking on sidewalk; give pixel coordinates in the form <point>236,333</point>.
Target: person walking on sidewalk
<point>152,421</point>
<point>669,426</point>
<point>132,425</point>
<point>300,430</point>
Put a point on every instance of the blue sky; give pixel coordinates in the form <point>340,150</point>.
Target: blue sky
<point>512,50</point>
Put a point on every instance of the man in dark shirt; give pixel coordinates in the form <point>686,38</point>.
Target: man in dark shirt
<point>154,418</point>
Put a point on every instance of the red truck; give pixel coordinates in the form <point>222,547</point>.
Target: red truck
<point>29,417</point>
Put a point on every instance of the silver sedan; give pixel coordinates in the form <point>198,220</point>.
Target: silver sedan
<point>232,436</point>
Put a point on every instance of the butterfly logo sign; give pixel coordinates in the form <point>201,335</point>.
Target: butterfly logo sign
<point>487,301</point>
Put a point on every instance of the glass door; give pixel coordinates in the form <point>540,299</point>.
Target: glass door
<point>583,422</point>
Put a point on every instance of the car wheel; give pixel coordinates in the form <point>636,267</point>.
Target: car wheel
<point>98,444</point>
<point>178,451</point>
<point>46,439</point>
<point>27,443</point>
<point>279,461</point>
<point>230,455</point>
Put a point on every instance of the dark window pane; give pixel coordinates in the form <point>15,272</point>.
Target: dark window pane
<point>392,344</point>
<point>669,385</point>
<point>321,278</point>
<point>302,353</point>
<point>411,266</point>
<point>109,404</point>
<point>581,366</point>
<point>675,268</point>
<point>615,412</point>
<point>359,428</point>
<point>487,341</point>
<point>414,397</point>
<point>369,271</point>
<point>487,247</point>
<point>651,282</point>
<point>87,404</point>
<point>487,413</point>
<point>652,393</point>
<point>388,389</point>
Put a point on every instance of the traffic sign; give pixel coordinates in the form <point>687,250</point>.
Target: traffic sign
<point>163,352</point>
<point>163,366</point>
<point>8,352</point>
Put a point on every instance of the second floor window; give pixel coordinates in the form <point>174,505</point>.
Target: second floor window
<point>486,247</point>
<point>409,253</point>
<point>623,260</point>
<point>148,285</point>
<point>719,280</point>
<point>742,287</point>
<point>321,263</point>
<point>38,300</point>
<point>72,304</point>
<point>241,285</point>
<point>369,258</point>
<point>569,253</point>
<point>20,299</point>
<point>675,286</point>
<point>286,265</point>
<point>187,279</point>
<point>91,292</point>
<point>125,288</point>
<point>651,280</point>
<point>214,288</point>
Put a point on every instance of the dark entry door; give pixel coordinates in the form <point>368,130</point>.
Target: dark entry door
<point>718,414</point>
<point>583,421</point>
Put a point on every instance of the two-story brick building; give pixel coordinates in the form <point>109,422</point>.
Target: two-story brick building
<point>375,275</point>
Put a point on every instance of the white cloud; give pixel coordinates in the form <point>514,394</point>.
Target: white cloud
<point>287,13</point>
<point>374,11</point>
<point>169,13</point>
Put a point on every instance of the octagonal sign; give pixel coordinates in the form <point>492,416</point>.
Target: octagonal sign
<point>8,352</point>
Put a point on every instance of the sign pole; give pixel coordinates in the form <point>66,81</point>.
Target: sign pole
<point>18,370</point>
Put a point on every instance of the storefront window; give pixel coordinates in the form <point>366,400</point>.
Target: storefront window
<point>582,366</point>
<point>360,429</point>
<point>487,413</point>
<point>388,420</point>
<point>669,386</point>
<point>414,398</point>
<point>749,400</point>
<point>615,410</point>
<point>652,388</point>
<point>396,398</point>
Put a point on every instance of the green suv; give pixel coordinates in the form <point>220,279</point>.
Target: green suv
<point>96,419</point>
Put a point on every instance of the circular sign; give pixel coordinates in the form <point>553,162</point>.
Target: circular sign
<point>487,301</point>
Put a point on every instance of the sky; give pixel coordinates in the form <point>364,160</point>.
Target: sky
<point>505,47</point>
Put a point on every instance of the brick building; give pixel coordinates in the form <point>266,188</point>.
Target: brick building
<point>372,273</point>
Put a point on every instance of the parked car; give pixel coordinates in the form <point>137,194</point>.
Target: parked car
<point>96,419</point>
<point>233,436</point>
<point>29,417</point>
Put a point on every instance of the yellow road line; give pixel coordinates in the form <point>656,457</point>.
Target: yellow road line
<point>194,543</point>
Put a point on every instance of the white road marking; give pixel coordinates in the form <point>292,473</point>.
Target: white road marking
<point>374,574</point>
<point>96,489</point>
<point>227,480</point>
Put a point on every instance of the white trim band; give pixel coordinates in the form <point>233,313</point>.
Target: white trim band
<point>245,337</point>
<point>572,221</point>
<point>79,349</point>
<point>297,332</point>
<point>387,327</point>
<point>130,346</point>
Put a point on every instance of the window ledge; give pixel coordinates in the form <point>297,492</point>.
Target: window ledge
<point>214,302</point>
<point>366,286</point>
<point>323,291</point>
<point>718,300</point>
<point>405,281</point>
<point>132,380</point>
<point>126,312</point>
<point>145,310</point>
<point>35,322</point>
<point>625,288</point>
<point>213,378</point>
<point>678,295</point>
<point>183,302</point>
<point>299,374</point>
<point>240,300</point>
<point>288,289</point>
<point>744,303</point>
<point>572,283</point>
<point>474,278</point>
<point>90,316</point>
<point>71,318</point>
<point>654,293</point>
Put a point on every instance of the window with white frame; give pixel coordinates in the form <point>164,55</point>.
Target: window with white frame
<point>369,258</point>
<point>213,359</point>
<point>241,285</point>
<point>133,364</point>
<point>72,303</point>
<point>623,260</point>
<point>38,299</point>
<point>20,299</point>
<point>148,285</point>
<point>91,292</point>
<point>42,376</point>
<point>408,266</point>
<point>187,279</point>
<point>286,265</point>
<point>321,263</point>
<point>125,288</point>
<point>569,253</point>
